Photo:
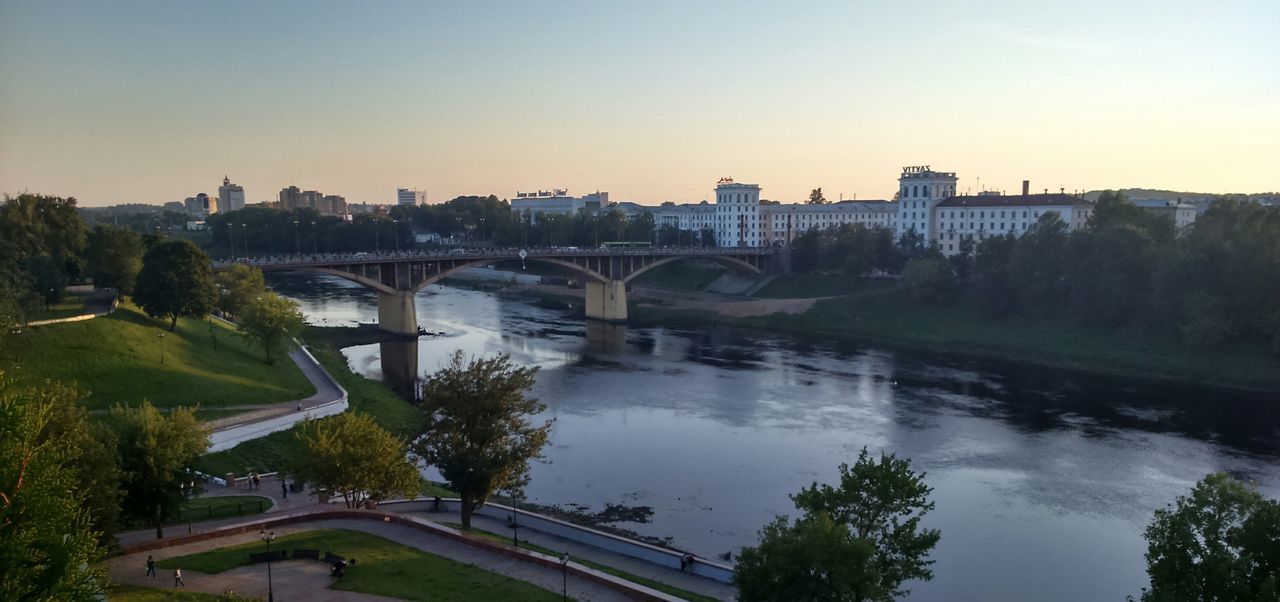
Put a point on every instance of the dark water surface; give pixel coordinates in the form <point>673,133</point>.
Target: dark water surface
<point>1043,479</point>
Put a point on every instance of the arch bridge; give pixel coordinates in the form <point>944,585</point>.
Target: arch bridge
<point>398,276</point>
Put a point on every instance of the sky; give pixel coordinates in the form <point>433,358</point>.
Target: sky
<point>139,101</point>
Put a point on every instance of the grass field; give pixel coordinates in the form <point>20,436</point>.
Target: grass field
<point>134,593</point>
<point>802,286</point>
<point>71,305</point>
<point>645,581</point>
<point>116,359</point>
<point>212,508</point>
<point>682,275</point>
<point>278,450</point>
<point>383,568</point>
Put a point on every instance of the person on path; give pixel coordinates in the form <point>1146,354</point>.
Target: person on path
<point>284,488</point>
<point>257,482</point>
<point>252,475</point>
<point>151,567</point>
<point>177,578</point>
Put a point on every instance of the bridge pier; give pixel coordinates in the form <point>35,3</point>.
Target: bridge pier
<point>397,313</point>
<point>607,301</point>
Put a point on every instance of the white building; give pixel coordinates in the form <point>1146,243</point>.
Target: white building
<point>1182,214</point>
<point>411,197</point>
<point>737,222</point>
<point>920,189</point>
<point>993,214</point>
<point>686,216</point>
<point>783,223</point>
<point>556,201</point>
<point>230,196</point>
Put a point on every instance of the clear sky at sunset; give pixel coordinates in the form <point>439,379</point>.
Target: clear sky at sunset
<point>136,101</point>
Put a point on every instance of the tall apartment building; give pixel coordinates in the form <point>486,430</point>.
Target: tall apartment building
<point>920,189</point>
<point>201,205</point>
<point>411,197</point>
<point>737,214</point>
<point>294,198</point>
<point>291,198</point>
<point>230,196</point>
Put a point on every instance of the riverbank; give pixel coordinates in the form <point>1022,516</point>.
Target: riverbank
<point>878,312</point>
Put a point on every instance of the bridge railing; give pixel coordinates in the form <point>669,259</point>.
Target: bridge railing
<point>487,253</point>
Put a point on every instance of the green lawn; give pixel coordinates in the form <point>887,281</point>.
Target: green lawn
<point>682,275</point>
<point>802,286</point>
<point>71,305</point>
<point>278,450</point>
<point>645,581</point>
<point>212,508</point>
<point>116,359</point>
<point>134,593</point>
<point>383,568</point>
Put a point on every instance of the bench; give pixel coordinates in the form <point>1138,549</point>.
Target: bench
<point>306,554</point>
<point>276,555</point>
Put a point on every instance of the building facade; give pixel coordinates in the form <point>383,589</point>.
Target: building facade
<point>292,198</point>
<point>737,222</point>
<point>920,190</point>
<point>785,222</point>
<point>201,205</point>
<point>556,202</point>
<point>411,196</point>
<point>230,196</point>
<point>991,214</point>
<point>1182,214</point>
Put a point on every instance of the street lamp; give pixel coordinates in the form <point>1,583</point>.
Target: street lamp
<point>297,242</point>
<point>268,537</point>
<point>376,245</point>
<point>314,251</point>
<point>395,229</point>
<point>231,242</point>
<point>161,337</point>
<point>188,487</point>
<point>245,229</point>
<point>564,567</point>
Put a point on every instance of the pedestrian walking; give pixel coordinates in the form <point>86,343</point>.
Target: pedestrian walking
<point>151,567</point>
<point>257,482</point>
<point>252,476</point>
<point>284,488</point>
<point>177,578</point>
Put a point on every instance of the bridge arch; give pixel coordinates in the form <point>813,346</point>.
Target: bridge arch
<point>434,278</point>
<point>353,277</point>
<point>730,262</point>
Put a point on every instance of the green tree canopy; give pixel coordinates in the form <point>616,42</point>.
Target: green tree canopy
<point>1221,542</point>
<point>270,321</point>
<point>157,453</point>
<point>478,429</point>
<point>114,258</point>
<point>48,543</point>
<point>238,286</point>
<point>176,280</point>
<point>351,455</point>
<point>48,278</point>
<point>878,506</point>
<point>816,198</point>
<point>928,280</point>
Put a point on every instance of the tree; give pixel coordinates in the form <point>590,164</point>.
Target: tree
<point>47,277</point>
<point>269,321</point>
<point>351,455</point>
<point>478,430</point>
<point>815,559</point>
<point>49,545</point>
<point>816,198</point>
<point>238,286</point>
<point>114,257</point>
<point>880,504</point>
<point>95,461</point>
<point>1219,543</point>
<point>928,280</point>
<point>176,280</point>
<point>156,454</point>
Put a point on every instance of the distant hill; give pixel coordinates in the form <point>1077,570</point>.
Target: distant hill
<point>1266,198</point>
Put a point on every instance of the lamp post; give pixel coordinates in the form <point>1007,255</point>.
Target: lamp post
<point>376,244</point>
<point>515,524</point>
<point>268,537</point>
<point>314,250</point>
<point>564,582</point>
<point>231,242</point>
<point>161,337</point>
<point>245,229</point>
<point>395,229</point>
<point>187,488</point>
<point>297,242</point>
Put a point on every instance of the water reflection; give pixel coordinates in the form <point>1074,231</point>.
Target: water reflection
<point>399,361</point>
<point>1043,479</point>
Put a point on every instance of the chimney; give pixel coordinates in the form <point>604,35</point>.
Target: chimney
<point>1026,187</point>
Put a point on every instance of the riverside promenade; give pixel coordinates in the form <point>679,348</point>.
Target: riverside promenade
<point>408,523</point>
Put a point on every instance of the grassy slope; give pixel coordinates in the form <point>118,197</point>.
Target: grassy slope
<point>278,449</point>
<point>134,593</point>
<point>384,568</point>
<point>650,583</point>
<point>799,286</point>
<point>71,305</point>
<point>888,317</point>
<point>117,359</point>
<point>682,275</point>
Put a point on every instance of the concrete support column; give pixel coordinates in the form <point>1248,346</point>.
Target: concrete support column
<point>607,301</point>
<point>397,314</point>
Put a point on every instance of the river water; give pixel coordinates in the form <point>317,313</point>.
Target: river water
<point>1043,479</point>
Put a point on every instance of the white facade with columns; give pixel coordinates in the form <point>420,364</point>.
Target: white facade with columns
<point>920,189</point>
<point>738,215</point>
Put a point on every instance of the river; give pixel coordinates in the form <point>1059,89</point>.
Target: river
<point>1043,479</point>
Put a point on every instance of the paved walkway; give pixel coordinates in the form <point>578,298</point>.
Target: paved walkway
<point>300,580</point>
<point>326,392</point>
